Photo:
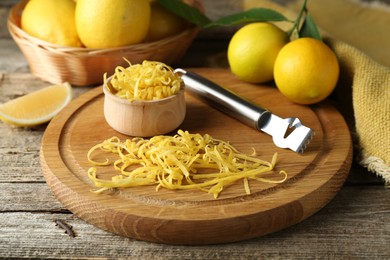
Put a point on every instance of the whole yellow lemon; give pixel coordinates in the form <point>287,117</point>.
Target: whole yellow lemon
<point>164,23</point>
<point>51,21</point>
<point>112,23</point>
<point>306,71</point>
<point>253,49</point>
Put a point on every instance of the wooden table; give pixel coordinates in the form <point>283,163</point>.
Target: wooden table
<point>355,224</point>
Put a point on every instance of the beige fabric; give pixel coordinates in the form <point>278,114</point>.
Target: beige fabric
<point>362,25</point>
<point>360,38</point>
<point>369,84</point>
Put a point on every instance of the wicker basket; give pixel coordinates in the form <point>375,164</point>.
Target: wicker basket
<point>84,66</point>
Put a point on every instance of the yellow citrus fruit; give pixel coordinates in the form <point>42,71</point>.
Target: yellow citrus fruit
<point>306,71</point>
<point>112,23</point>
<point>253,49</point>
<point>37,107</point>
<point>164,23</point>
<point>51,21</point>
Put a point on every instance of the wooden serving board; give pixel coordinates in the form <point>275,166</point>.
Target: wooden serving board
<point>191,216</point>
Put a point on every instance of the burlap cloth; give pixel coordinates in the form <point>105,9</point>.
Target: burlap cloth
<point>359,35</point>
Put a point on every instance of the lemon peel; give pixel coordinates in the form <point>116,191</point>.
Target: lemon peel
<point>180,162</point>
<point>151,80</point>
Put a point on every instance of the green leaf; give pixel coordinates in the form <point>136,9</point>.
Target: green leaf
<point>185,11</point>
<point>309,28</point>
<point>251,15</point>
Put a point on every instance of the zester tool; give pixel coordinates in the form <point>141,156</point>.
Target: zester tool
<point>286,132</point>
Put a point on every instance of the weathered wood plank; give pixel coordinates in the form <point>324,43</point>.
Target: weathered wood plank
<point>24,197</point>
<point>12,60</point>
<point>353,225</point>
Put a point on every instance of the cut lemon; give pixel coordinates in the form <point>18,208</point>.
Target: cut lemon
<point>37,107</point>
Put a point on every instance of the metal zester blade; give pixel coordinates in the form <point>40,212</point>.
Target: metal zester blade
<point>286,132</point>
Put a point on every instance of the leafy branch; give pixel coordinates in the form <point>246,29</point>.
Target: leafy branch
<point>251,15</point>
<point>303,25</point>
<point>185,11</point>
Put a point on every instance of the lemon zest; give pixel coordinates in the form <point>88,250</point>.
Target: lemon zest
<point>151,80</point>
<point>180,162</point>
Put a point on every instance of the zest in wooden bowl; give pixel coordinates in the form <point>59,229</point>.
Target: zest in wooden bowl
<point>144,118</point>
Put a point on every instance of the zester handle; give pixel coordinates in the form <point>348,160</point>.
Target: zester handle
<point>225,100</point>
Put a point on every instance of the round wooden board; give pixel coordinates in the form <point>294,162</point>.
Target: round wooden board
<point>191,216</point>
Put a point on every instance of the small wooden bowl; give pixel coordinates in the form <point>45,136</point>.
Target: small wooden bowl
<point>144,118</point>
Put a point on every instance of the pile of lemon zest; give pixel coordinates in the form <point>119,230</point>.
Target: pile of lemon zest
<point>180,162</point>
<point>150,80</point>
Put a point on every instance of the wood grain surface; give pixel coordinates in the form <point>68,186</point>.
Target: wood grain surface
<point>195,217</point>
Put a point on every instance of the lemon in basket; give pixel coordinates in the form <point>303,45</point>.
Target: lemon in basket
<point>51,21</point>
<point>164,23</point>
<point>37,107</point>
<point>112,23</point>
